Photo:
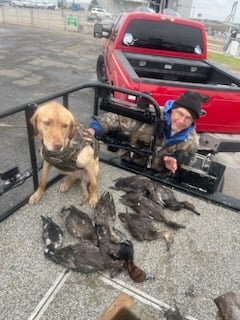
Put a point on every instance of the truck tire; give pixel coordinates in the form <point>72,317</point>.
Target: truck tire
<point>101,71</point>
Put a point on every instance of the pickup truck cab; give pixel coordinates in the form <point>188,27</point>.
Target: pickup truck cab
<point>164,56</point>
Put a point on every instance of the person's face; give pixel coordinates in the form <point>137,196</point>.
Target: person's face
<point>180,119</point>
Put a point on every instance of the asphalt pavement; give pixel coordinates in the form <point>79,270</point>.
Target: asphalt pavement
<point>203,262</point>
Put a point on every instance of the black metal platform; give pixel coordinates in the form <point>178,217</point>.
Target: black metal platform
<point>169,180</point>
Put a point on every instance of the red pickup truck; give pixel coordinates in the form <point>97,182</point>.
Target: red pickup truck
<point>164,56</point>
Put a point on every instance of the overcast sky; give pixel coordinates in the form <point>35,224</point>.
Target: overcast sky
<point>215,9</point>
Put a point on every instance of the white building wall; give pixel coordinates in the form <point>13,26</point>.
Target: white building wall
<point>183,7</point>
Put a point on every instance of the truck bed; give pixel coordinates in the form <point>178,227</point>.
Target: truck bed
<point>176,69</point>
<point>165,78</point>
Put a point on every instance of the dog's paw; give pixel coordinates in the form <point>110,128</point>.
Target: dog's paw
<point>34,198</point>
<point>64,187</point>
<point>93,202</point>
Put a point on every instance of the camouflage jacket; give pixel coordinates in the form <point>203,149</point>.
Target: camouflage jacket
<point>182,150</point>
<point>65,160</point>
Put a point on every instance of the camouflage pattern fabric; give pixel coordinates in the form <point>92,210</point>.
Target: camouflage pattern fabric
<point>137,130</point>
<point>65,160</point>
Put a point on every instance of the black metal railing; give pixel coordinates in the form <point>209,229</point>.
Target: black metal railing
<point>106,98</point>
<point>12,178</point>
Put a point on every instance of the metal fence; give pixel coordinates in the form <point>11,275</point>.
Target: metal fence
<point>11,179</point>
<point>102,99</point>
<point>57,19</point>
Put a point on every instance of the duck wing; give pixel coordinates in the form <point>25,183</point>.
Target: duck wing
<point>105,216</point>
<point>143,205</point>
<point>65,257</point>
<point>134,183</point>
<point>79,224</point>
<point>140,226</point>
<point>83,257</point>
<point>105,211</point>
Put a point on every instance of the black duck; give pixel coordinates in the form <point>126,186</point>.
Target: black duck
<point>83,257</point>
<point>146,206</point>
<point>127,254</point>
<point>134,184</point>
<point>79,224</point>
<point>141,228</point>
<point>153,190</point>
<point>123,255</point>
<point>105,216</point>
<point>52,236</point>
<point>113,242</point>
<point>162,194</point>
<point>105,211</point>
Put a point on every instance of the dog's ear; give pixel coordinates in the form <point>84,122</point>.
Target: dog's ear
<point>72,129</point>
<point>33,121</point>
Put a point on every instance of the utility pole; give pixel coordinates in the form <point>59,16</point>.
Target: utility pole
<point>229,20</point>
<point>159,5</point>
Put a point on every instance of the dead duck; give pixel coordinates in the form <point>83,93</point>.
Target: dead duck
<point>135,272</point>
<point>82,257</point>
<point>155,191</point>
<point>79,224</point>
<point>134,183</point>
<point>146,206</point>
<point>141,228</point>
<point>162,194</point>
<point>113,242</point>
<point>105,216</point>
<point>105,210</point>
<point>106,243</point>
<point>52,236</point>
<point>109,238</point>
<point>123,255</point>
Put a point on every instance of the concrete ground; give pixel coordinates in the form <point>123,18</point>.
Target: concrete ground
<point>203,262</point>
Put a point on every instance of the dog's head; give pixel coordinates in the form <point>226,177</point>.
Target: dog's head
<point>54,125</point>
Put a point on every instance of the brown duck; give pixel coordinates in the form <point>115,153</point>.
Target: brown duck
<point>146,206</point>
<point>79,224</point>
<point>154,190</point>
<point>105,212</point>
<point>141,228</point>
<point>83,257</point>
<point>113,242</point>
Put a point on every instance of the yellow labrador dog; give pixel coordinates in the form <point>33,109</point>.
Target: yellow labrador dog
<point>69,147</point>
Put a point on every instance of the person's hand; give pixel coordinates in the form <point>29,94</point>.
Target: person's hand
<point>91,131</point>
<point>170,163</point>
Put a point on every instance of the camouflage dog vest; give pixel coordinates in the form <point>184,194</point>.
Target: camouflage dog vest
<point>65,160</point>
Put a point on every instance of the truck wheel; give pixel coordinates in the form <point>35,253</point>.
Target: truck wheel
<point>101,71</point>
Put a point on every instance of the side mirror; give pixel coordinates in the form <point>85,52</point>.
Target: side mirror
<point>98,30</point>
